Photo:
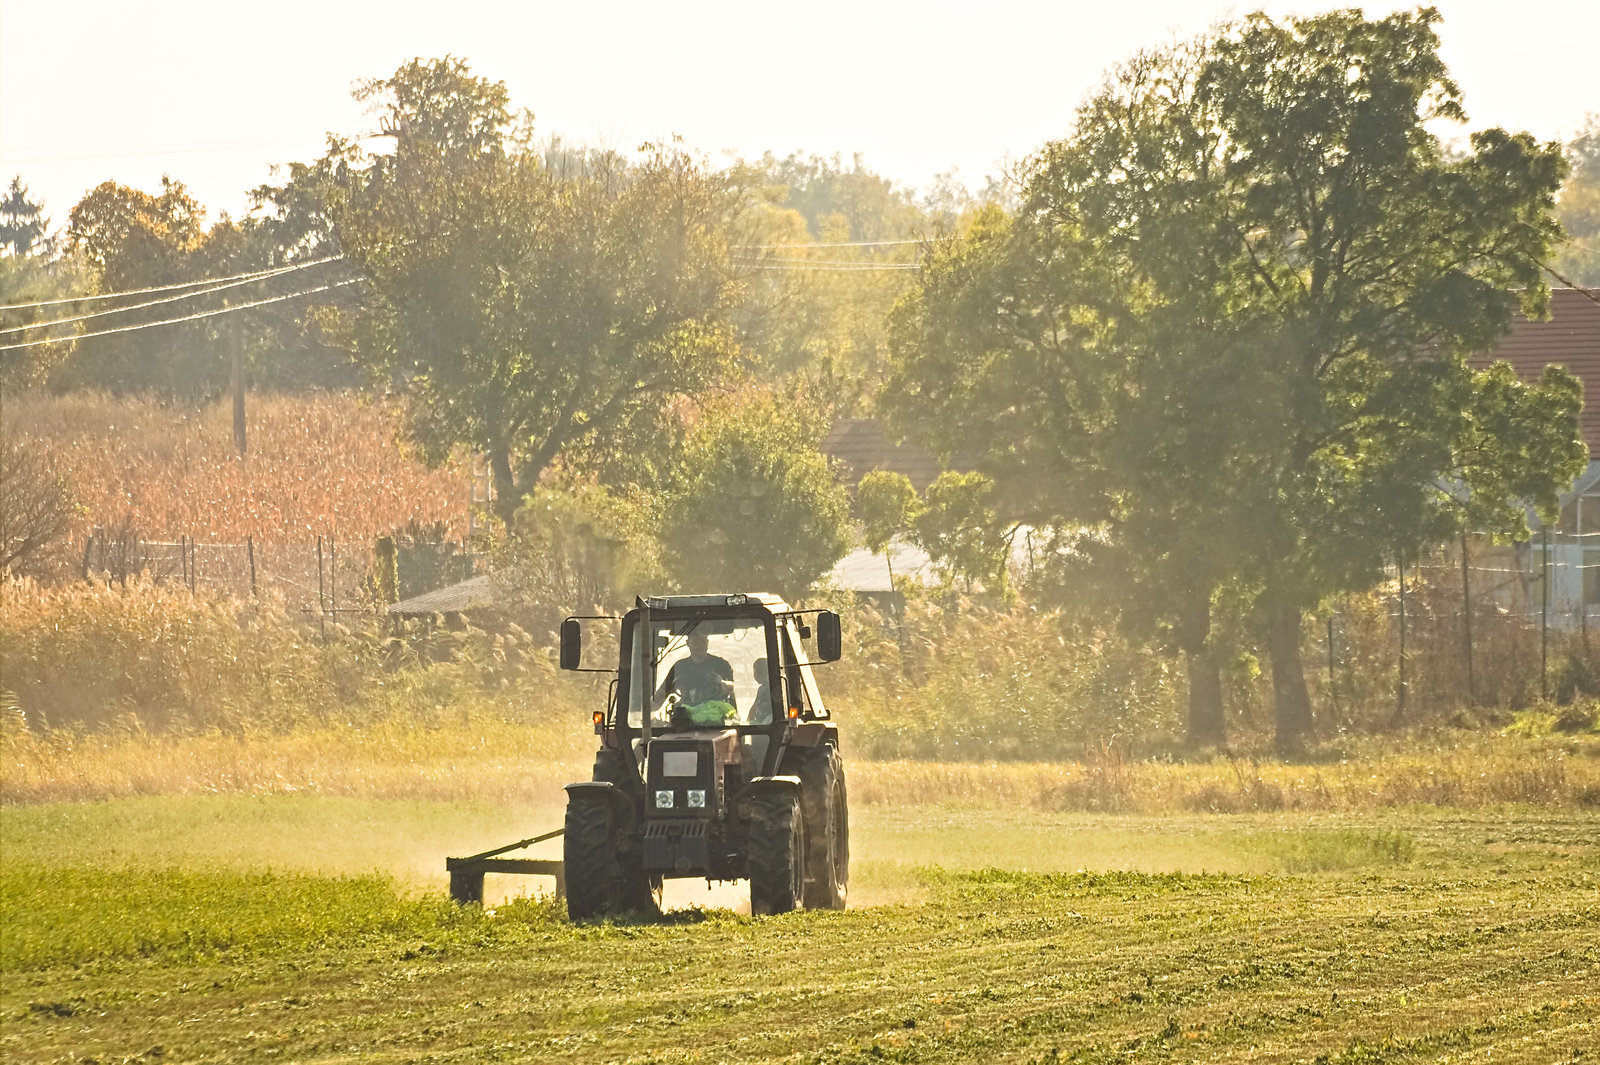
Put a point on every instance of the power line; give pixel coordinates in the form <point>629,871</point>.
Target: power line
<point>794,263</point>
<point>1587,293</point>
<point>189,318</point>
<point>834,244</point>
<point>171,287</point>
<point>841,268</point>
<point>252,279</point>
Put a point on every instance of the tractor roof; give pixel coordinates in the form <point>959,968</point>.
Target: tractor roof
<point>701,602</point>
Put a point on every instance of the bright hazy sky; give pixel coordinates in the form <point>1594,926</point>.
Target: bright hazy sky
<point>215,92</point>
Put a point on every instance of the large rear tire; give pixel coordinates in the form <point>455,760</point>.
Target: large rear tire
<point>776,860</point>
<point>589,859</point>
<point>827,830</point>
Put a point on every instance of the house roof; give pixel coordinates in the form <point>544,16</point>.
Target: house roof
<point>471,594</point>
<point>1570,338</point>
<point>861,445</point>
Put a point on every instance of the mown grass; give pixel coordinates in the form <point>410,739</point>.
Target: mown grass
<point>71,915</point>
<point>1445,936</point>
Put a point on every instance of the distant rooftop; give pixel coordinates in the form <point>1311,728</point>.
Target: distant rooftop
<point>471,594</point>
<point>861,445</point>
<point>1571,338</point>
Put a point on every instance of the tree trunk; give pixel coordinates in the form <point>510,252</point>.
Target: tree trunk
<point>1291,701</point>
<point>506,499</point>
<point>1206,725</point>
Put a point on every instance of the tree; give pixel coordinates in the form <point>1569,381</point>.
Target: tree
<point>887,505</point>
<point>34,275</point>
<point>576,548</point>
<point>754,506</point>
<point>956,525</point>
<point>134,240</point>
<point>1229,329</point>
<point>1579,208</point>
<point>22,222</point>
<point>816,303</point>
<point>36,507</point>
<point>533,306</point>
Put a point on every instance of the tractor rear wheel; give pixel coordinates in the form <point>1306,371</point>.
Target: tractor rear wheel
<point>827,830</point>
<point>589,859</point>
<point>776,860</point>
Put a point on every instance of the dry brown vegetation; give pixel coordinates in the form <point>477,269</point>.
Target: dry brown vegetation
<point>316,464</point>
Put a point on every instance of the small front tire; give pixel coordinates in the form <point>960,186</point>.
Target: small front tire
<point>776,861</point>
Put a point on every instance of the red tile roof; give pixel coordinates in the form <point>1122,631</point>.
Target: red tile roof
<point>1570,338</point>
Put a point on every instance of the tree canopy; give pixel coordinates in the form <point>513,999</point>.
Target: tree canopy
<point>1229,330</point>
<point>532,305</point>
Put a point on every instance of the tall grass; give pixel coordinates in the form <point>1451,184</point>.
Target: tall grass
<point>157,658</point>
<point>962,680</point>
<point>1473,773</point>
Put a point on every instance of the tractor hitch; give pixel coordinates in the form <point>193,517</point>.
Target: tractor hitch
<point>466,874</point>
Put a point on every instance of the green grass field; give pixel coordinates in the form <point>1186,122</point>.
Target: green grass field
<point>314,929</point>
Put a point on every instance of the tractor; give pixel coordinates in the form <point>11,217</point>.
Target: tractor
<point>717,759</point>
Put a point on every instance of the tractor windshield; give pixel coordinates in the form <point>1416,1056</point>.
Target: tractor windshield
<point>706,674</point>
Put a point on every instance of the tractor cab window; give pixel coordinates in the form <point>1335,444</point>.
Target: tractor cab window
<point>703,674</point>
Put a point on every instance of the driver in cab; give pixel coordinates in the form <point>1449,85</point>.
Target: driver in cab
<point>700,679</point>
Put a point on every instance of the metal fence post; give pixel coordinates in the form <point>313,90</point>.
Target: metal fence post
<point>1400,692</point>
<point>1466,617</point>
<point>1544,619</point>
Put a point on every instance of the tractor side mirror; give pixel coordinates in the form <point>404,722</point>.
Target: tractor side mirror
<point>830,638</point>
<point>571,644</point>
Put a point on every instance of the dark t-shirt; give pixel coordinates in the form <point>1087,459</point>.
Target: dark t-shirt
<point>699,682</point>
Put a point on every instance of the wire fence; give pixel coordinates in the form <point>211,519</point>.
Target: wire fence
<point>1473,624</point>
<point>325,577</point>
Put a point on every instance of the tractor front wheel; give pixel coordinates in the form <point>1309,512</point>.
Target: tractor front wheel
<point>776,861</point>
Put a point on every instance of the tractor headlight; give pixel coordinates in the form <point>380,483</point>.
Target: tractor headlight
<point>663,800</point>
<point>697,799</point>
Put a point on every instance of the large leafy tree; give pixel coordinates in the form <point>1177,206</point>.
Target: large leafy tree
<point>1228,331</point>
<point>532,305</point>
<point>133,240</point>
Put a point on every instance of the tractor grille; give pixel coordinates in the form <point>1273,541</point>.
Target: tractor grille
<point>680,847</point>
